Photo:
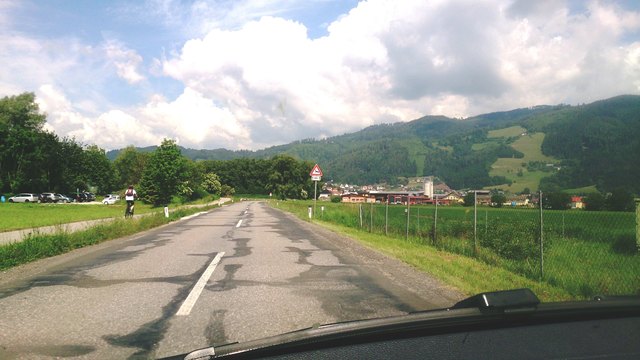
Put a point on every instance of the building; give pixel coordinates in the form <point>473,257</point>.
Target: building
<point>428,188</point>
<point>519,200</point>
<point>358,198</point>
<point>452,197</point>
<point>576,202</point>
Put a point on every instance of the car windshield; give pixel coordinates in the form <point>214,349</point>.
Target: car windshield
<point>237,170</point>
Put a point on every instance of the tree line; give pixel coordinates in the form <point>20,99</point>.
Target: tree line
<point>33,159</point>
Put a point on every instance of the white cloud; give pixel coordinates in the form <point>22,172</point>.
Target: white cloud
<point>195,121</point>
<point>191,119</point>
<point>388,61</point>
<point>252,81</point>
<point>126,61</point>
<point>110,130</point>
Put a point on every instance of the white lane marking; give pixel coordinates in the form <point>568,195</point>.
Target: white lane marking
<point>190,301</point>
<point>239,223</point>
<point>194,215</point>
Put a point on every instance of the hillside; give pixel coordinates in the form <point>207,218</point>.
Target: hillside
<point>594,144</point>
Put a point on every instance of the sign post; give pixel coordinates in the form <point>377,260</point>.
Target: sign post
<point>316,175</point>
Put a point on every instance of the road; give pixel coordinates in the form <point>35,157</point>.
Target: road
<point>237,273</point>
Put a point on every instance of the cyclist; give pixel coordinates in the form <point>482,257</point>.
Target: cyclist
<point>130,195</point>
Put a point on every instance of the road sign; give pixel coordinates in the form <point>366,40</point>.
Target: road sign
<point>316,171</point>
<point>316,178</point>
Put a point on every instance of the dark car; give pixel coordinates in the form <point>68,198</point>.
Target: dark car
<point>52,198</point>
<point>48,198</point>
<point>79,197</point>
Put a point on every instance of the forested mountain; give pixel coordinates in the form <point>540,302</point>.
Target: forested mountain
<point>594,144</point>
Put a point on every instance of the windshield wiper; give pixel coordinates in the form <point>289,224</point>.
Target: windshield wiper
<point>517,300</point>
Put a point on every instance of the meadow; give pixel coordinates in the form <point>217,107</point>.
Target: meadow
<point>584,253</point>
<point>515,169</point>
<point>38,246</point>
<point>16,216</point>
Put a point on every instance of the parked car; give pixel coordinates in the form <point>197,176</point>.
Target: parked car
<point>110,199</point>
<point>79,197</point>
<point>63,198</point>
<point>48,198</point>
<point>90,196</point>
<point>24,197</point>
<point>84,197</point>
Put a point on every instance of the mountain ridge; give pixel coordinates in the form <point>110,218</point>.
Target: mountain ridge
<point>583,139</point>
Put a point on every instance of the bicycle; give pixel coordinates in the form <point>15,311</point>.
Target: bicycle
<point>128,212</point>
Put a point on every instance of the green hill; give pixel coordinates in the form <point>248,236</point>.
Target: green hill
<point>552,147</point>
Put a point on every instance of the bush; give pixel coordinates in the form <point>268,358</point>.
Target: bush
<point>226,190</point>
<point>336,199</point>
<point>513,242</point>
<point>199,193</point>
<point>625,244</point>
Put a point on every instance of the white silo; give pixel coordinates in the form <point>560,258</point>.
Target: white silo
<point>428,188</point>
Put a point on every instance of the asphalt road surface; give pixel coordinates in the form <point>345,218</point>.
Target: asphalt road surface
<point>237,273</point>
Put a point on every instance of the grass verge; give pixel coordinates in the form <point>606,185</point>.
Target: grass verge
<point>39,246</point>
<point>468,275</point>
<point>26,216</point>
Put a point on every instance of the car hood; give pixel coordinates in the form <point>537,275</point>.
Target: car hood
<point>486,310</point>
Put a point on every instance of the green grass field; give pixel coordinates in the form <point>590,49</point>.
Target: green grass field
<point>16,216</point>
<point>41,246</point>
<point>586,253</point>
<point>530,145</point>
<point>583,190</point>
<point>417,152</point>
<point>506,132</point>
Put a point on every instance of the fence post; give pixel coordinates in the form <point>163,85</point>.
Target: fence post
<point>371,217</point>
<point>435,224</point>
<point>638,225</point>
<point>541,239</point>
<point>386,218</point>
<point>486,222</point>
<point>475,222</point>
<point>360,214</point>
<point>408,214</point>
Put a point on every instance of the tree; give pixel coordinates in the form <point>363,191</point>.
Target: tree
<point>99,170</point>
<point>211,183</point>
<point>129,166</point>
<point>21,151</point>
<point>226,190</point>
<point>469,199</point>
<point>594,202</point>
<point>556,200</point>
<point>620,200</point>
<point>166,170</point>
<point>289,178</point>
<point>498,199</point>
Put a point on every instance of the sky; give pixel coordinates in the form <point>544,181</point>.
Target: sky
<point>249,74</point>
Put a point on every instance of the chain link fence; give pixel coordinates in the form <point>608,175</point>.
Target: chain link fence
<point>586,253</point>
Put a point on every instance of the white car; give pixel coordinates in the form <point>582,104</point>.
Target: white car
<point>110,199</point>
<point>24,197</point>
